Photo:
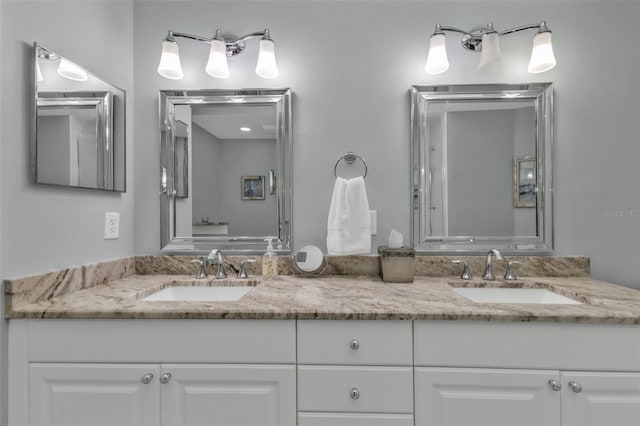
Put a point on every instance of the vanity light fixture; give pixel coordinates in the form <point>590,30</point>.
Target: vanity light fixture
<point>221,47</point>
<point>71,71</point>
<point>65,68</point>
<point>486,41</point>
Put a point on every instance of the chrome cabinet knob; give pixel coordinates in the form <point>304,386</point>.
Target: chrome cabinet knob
<point>164,379</point>
<point>555,385</point>
<point>355,345</point>
<point>355,393</point>
<point>575,386</point>
<point>146,379</point>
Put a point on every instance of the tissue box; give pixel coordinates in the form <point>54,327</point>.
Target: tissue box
<point>397,265</point>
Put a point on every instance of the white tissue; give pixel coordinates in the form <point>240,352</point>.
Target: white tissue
<point>395,239</point>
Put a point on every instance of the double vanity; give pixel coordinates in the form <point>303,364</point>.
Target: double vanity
<point>125,346</point>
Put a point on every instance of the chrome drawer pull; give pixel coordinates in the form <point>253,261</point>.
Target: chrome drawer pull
<point>555,385</point>
<point>575,386</point>
<point>146,379</point>
<point>355,393</point>
<point>164,379</point>
<point>355,345</point>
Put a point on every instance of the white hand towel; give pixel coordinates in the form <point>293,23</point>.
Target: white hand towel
<point>349,223</point>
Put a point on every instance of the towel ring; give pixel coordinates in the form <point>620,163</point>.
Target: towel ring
<point>350,158</point>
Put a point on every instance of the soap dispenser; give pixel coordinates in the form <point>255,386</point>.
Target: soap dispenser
<point>269,260</point>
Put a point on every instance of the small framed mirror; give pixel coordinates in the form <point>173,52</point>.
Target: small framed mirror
<point>78,129</point>
<point>225,170</point>
<point>482,168</point>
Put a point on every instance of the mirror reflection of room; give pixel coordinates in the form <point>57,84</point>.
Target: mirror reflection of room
<point>232,153</point>
<point>473,147</point>
<point>79,126</point>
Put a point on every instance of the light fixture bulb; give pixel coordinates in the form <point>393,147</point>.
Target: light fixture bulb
<point>71,71</point>
<point>39,76</point>
<point>437,61</point>
<point>217,65</point>
<point>245,129</point>
<point>542,57</point>
<point>170,66</point>
<point>490,52</point>
<point>267,66</point>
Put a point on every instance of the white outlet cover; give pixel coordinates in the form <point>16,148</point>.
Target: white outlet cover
<point>111,225</point>
<point>374,221</point>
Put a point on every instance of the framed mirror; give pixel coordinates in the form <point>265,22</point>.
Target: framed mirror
<point>78,126</point>
<point>227,185</point>
<point>482,168</point>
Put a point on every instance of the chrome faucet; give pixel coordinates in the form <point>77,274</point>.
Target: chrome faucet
<point>215,258</point>
<point>488,272</point>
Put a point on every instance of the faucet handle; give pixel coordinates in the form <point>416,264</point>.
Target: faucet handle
<point>510,275</point>
<point>201,273</point>
<point>242,273</point>
<point>466,273</point>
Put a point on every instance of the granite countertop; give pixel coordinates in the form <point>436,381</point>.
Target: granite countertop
<point>338,298</point>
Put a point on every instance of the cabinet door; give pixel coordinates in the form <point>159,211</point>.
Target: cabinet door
<point>93,395</point>
<point>228,395</point>
<point>491,397</point>
<point>599,398</point>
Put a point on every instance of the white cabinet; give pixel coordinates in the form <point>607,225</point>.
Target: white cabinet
<point>168,395</point>
<point>329,373</point>
<point>519,361</point>
<point>94,394</point>
<point>228,395</point>
<point>355,373</point>
<point>491,397</point>
<point>194,373</point>
<point>600,399</point>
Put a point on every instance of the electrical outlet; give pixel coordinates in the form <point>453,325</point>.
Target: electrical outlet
<point>374,221</point>
<point>111,226</point>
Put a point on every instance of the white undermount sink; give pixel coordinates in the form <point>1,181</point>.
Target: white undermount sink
<point>513,295</point>
<point>200,293</point>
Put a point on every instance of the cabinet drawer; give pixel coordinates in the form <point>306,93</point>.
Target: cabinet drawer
<point>355,342</point>
<point>527,345</point>
<point>199,341</point>
<point>354,419</point>
<point>377,389</point>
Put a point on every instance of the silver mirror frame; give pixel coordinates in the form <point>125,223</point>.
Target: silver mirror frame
<point>248,244</point>
<point>112,168</point>
<point>541,94</point>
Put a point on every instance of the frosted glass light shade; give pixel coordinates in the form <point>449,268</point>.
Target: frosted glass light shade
<point>170,66</point>
<point>542,57</point>
<point>490,52</point>
<point>71,71</point>
<point>217,65</point>
<point>437,61</point>
<point>267,67</point>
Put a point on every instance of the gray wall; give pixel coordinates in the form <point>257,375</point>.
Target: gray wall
<point>357,99</point>
<point>207,175</point>
<point>45,227</point>
<point>480,201</point>
<point>39,220</point>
